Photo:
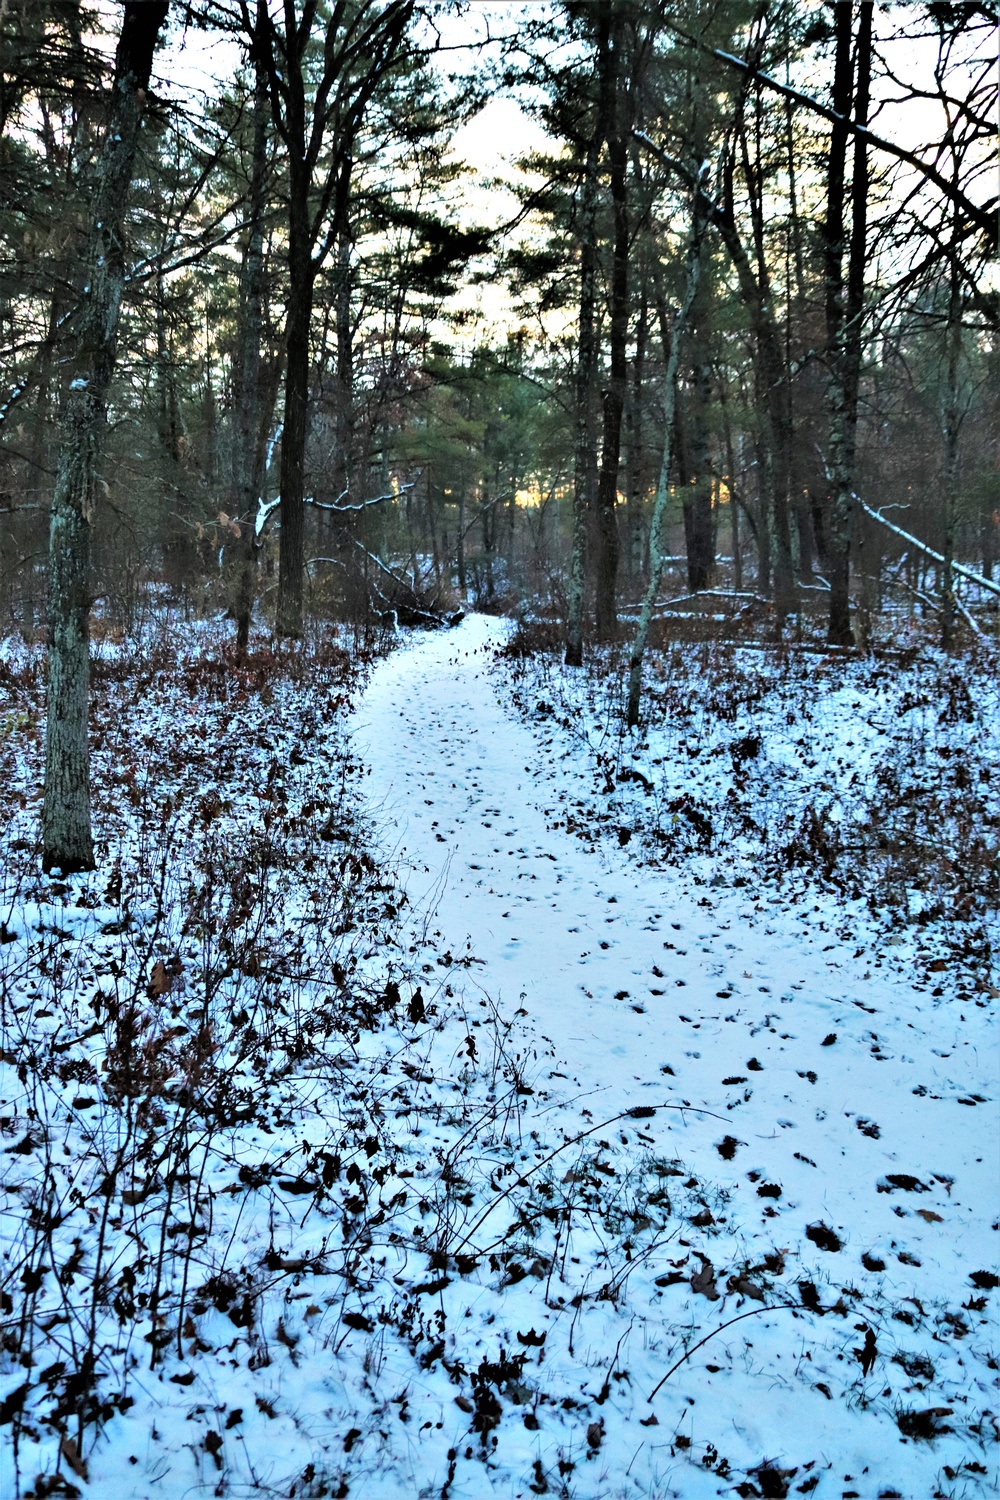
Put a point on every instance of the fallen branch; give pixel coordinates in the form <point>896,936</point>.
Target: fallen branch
<point>984,583</point>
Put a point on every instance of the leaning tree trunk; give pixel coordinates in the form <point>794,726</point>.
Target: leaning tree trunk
<point>67,842</point>
<point>663,484</point>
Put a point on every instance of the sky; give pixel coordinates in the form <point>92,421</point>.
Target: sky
<point>194,63</point>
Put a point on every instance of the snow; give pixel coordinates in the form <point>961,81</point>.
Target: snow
<point>599,1023</point>
<point>717,988</point>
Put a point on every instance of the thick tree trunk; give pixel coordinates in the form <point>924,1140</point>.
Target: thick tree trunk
<point>67,842</point>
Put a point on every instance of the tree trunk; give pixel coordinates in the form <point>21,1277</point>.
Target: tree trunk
<point>248,448</point>
<point>67,842</point>
<point>291,560</point>
<point>636,450</point>
<point>608,539</point>
<point>585,457</point>
<point>734,514</point>
<point>663,485</point>
<point>844,315</point>
<point>696,483</point>
<point>345,358</point>
<point>952,428</point>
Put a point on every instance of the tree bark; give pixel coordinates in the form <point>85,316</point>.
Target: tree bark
<point>663,485</point>
<point>67,841</point>
<point>952,429</point>
<point>315,109</point>
<point>291,561</point>
<point>613,402</point>
<point>585,456</point>
<point>696,480</point>
<point>635,544</point>
<point>844,314</point>
<point>248,448</point>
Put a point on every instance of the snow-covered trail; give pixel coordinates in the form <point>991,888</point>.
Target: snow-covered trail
<point>628,970</point>
<point>843,1096</point>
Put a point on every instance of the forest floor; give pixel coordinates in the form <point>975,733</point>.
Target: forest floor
<point>466,1098</point>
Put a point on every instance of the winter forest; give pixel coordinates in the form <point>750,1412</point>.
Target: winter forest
<point>499,741</point>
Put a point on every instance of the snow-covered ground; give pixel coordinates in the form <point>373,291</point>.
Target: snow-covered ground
<point>833,1117</point>
<point>565,1172</point>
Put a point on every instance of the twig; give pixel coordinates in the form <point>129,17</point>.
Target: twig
<point>625,1114</point>
<point>752,1313</point>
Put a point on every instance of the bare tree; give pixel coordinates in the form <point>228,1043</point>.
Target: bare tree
<point>323,67</point>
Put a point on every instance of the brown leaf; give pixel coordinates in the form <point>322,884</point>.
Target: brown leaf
<point>71,1453</point>
<point>703,1281</point>
<point>929,1216</point>
<point>160,982</point>
<point>745,1288</point>
<point>213,1443</point>
<point>284,1337</point>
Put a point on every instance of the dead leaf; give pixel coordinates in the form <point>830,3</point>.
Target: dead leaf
<point>703,1282</point>
<point>71,1453</point>
<point>164,978</point>
<point>284,1337</point>
<point>213,1443</point>
<point>745,1287</point>
<point>929,1216</point>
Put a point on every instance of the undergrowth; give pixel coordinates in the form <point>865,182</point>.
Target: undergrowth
<point>872,777</point>
<point>265,1136</point>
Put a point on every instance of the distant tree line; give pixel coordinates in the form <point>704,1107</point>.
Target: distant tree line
<point>752,344</point>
